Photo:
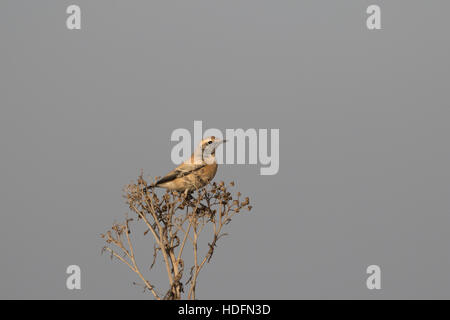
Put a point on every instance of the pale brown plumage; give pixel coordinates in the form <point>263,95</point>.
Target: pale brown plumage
<point>194,173</point>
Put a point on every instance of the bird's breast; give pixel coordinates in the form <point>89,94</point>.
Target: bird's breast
<point>209,171</point>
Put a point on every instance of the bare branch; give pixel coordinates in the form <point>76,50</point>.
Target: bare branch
<point>164,217</point>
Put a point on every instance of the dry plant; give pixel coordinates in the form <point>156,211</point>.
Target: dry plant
<point>174,220</point>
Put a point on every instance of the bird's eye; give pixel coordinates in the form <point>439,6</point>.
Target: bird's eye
<point>209,142</point>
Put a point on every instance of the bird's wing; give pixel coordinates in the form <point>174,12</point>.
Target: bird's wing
<point>181,171</point>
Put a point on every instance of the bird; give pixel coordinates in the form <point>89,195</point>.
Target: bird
<point>194,173</point>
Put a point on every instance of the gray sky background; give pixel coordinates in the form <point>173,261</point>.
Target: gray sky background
<point>364,128</point>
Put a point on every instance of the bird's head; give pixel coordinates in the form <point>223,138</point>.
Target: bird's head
<point>208,148</point>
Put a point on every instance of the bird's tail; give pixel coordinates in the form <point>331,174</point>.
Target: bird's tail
<point>149,187</point>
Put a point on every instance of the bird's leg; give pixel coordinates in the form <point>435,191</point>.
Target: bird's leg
<point>187,196</point>
<point>203,207</point>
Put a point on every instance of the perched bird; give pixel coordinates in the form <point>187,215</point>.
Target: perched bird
<point>194,173</point>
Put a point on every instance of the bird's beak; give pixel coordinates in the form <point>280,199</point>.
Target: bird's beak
<point>219,142</point>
